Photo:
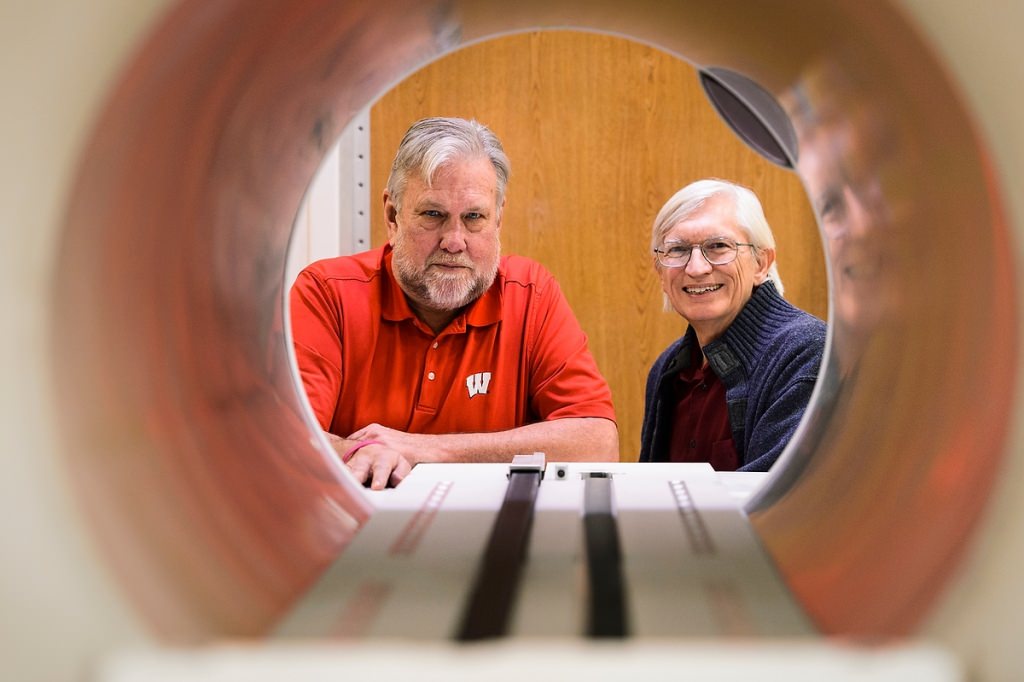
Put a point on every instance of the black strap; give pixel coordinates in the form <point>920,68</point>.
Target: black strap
<point>606,616</point>
<point>490,603</point>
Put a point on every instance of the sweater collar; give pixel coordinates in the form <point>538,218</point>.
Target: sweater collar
<point>739,344</point>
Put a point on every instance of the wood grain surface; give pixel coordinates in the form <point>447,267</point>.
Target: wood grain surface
<point>601,131</point>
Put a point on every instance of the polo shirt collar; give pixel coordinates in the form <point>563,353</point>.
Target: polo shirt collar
<point>395,307</point>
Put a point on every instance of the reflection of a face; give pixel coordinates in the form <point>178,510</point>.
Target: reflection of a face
<point>857,260</point>
<point>711,296</point>
<point>446,236</point>
<point>846,150</point>
<point>854,221</point>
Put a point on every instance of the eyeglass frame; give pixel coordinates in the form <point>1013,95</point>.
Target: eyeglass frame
<point>689,252</point>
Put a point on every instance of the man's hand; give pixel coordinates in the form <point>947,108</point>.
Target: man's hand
<point>379,465</point>
<point>375,464</point>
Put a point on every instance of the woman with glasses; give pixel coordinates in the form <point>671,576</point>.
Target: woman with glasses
<point>732,390</point>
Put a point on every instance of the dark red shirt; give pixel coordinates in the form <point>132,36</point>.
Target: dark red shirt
<point>700,432</point>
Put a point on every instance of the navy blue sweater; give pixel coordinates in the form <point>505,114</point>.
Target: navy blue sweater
<point>767,359</point>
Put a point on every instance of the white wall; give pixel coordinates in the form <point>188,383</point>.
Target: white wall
<point>334,217</point>
<point>58,604</point>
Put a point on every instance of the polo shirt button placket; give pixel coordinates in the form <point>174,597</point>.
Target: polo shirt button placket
<point>430,375</point>
<point>431,388</point>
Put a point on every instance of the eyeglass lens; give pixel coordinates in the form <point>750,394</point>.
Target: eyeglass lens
<point>717,251</point>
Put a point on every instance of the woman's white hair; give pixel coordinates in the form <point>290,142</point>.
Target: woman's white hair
<point>747,212</point>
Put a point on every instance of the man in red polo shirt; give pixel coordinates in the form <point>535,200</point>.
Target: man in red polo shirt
<point>435,348</point>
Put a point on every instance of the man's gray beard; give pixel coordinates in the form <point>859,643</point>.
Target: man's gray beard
<point>436,289</point>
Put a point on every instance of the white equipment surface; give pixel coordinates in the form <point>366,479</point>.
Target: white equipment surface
<point>694,573</point>
<point>691,565</point>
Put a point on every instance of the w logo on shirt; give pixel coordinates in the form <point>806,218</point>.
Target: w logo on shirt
<point>477,383</point>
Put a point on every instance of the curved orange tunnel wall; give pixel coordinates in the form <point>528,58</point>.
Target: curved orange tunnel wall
<point>194,458</point>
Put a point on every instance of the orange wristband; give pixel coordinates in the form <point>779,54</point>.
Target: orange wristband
<point>355,448</point>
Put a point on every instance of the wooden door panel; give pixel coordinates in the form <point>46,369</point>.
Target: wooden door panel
<point>600,131</point>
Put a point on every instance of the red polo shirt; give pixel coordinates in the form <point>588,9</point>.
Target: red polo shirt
<point>515,356</point>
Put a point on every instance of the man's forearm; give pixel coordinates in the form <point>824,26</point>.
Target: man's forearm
<point>569,439</point>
